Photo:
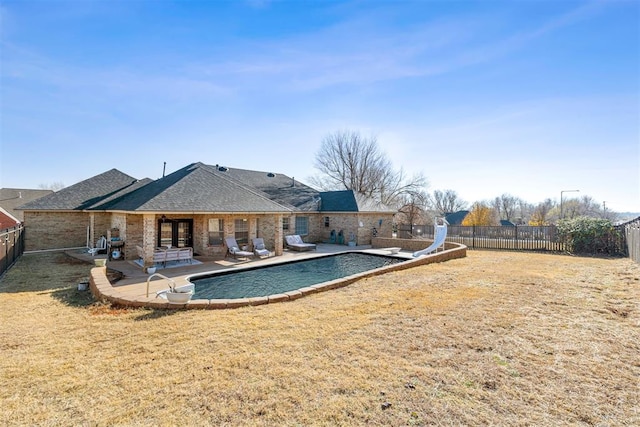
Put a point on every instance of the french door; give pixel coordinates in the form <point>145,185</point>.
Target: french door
<point>175,232</point>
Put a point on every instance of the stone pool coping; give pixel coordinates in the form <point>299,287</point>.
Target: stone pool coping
<point>103,290</point>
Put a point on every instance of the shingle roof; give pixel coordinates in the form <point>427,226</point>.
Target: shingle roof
<point>194,188</point>
<point>85,194</point>
<point>338,201</point>
<point>202,188</point>
<point>350,201</point>
<point>12,198</point>
<point>456,218</point>
<point>279,188</point>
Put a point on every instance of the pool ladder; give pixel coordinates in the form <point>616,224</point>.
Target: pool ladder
<point>172,286</point>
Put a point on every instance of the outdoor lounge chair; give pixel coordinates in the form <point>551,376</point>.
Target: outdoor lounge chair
<point>234,250</point>
<point>259,249</point>
<point>295,242</point>
<point>101,245</point>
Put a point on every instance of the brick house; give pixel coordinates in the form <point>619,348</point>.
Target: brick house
<point>198,206</point>
<point>7,220</point>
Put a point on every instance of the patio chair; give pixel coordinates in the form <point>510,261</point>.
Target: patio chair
<point>101,245</point>
<point>234,250</point>
<point>295,243</point>
<point>185,254</point>
<point>259,249</point>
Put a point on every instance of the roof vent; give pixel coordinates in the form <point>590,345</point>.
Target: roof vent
<point>271,175</point>
<point>223,168</point>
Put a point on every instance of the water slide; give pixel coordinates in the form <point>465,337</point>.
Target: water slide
<point>440,234</point>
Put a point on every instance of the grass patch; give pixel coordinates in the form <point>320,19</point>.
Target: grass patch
<point>497,338</point>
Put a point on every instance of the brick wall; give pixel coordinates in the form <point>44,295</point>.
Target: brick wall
<point>349,223</point>
<point>55,230</point>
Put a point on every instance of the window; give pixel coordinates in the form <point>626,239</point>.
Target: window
<point>242,231</point>
<point>166,234</point>
<point>302,225</point>
<point>216,231</point>
<point>285,223</point>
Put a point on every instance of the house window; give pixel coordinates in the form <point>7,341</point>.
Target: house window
<point>242,231</point>
<point>216,231</point>
<point>302,225</point>
<point>285,223</point>
<point>166,233</point>
<point>326,221</point>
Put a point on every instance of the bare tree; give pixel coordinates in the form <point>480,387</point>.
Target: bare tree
<point>348,161</point>
<point>505,206</point>
<point>413,209</point>
<point>447,201</point>
<point>55,186</point>
<point>524,212</point>
<point>481,214</point>
<point>541,213</point>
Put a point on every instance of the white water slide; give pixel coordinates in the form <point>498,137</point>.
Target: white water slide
<point>439,236</point>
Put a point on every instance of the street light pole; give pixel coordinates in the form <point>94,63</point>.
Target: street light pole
<point>561,193</point>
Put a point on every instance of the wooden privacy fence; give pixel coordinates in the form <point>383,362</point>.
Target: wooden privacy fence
<point>11,246</point>
<point>631,231</point>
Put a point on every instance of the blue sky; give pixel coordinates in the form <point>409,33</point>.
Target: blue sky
<point>528,98</point>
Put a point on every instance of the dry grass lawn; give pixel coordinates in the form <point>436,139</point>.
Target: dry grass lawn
<point>497,338</point>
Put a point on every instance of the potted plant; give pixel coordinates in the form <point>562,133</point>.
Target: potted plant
<point>180,295</point>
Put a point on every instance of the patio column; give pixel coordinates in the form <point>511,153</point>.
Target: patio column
<point>92,226</point>
<point>279,236</point>
<point>148,238</point>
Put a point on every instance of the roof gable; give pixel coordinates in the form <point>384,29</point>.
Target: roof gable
<point>203,188</point>
<point>350,201</point>
<point>338,201</point>
<point>194,188</point>
<point>456,218</point>
<point>84,194</point>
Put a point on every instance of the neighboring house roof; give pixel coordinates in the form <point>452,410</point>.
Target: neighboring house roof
<point>87,193</point>
<point>506,223</point>
<point>456,218</point>
<point>11,198</point>
<point>7,220</point>
<point>202,188</point>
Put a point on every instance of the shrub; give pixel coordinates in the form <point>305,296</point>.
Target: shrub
<point>589,235</point>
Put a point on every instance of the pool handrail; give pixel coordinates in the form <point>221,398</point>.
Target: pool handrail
<point>164,277</point>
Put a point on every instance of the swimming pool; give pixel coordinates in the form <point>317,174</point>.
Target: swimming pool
<point>275,279</point>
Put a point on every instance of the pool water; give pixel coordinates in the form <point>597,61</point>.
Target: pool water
<point>276,279</point>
